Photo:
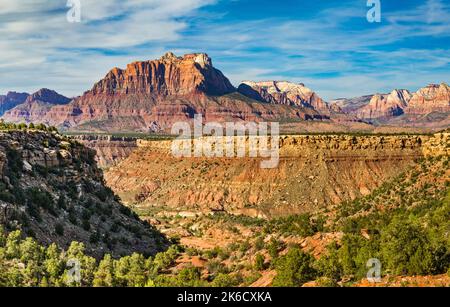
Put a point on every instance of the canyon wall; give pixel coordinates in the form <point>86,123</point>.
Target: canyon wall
<point>314,172</point>
<point>110,149</point>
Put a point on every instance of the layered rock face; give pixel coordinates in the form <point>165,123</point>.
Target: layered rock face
<point>389,105</point>
<point>169,76</point>
<point>433,98</point>
<point>314,172</point>
<point>35,107</point>
<point>11,100</point>
<point>52,189</point>
<point>110,149</point>
<point>283,92</point>
<point>148,113</point>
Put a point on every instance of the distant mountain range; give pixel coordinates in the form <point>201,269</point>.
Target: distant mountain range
<point>432,98</point>
<point>35,107</point>
<point>11,100</point>
<point>149,96</point>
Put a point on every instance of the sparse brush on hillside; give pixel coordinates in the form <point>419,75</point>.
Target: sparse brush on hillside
<point>404,224</point>
<point>407,232</point>
<point>52,190</point>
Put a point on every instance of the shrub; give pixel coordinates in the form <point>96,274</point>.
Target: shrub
<point>86,224</point>
<point>189,277</point>
<point>406,249</point>
<point>294,269</point>
<point>259,262</point>
<point>59,229</point>
<point>274,247</point>
<point>95,237</point>
<point>215,267</point>
<point>259,243</point>
<point>226,280</point>
<point>42,199</point>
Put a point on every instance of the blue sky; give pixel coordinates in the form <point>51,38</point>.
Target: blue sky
<point>328,45</point>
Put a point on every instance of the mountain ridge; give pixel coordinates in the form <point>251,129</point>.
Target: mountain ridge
<point>35,107</point>
<point>431,98</point>
<point>150,96</point>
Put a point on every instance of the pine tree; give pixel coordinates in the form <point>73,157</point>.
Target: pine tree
<point>104,276</point>
<point>294,269</point>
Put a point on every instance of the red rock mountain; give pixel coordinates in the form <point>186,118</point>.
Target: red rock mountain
<point>152,95</point>
<point>169,76</point>
<point>35,107</point>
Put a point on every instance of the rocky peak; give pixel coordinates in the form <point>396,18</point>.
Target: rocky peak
<point>386,105</point>
<point>401,96</point>
<point>49,96</point>
<point>34,108</point>
<point>432,98</point>
<point>203,60</point>
<point>169,56</point>
<point>283,92</point>
<point>168,76</point>
<point>15,96</point>
<point>10,100</point>
<point>351,105</point>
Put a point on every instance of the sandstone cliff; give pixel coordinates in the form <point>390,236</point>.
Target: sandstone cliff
<point>168,76</point>
<point>433,98</point>
<point>400,103</point>
<point>382,105</point>
<point>314,172</point>
<point>110,149</point>
<point>150,96</point>
<point>351,105</point>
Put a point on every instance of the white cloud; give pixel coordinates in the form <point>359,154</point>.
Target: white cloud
<point>38,47</point>
<point>334,59</point>
<point>38,43</point>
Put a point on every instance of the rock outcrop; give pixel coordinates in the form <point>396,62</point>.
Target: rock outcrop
<point>168,76</point>
<point>385,105</point>
<point>283,92</point>
<point>433,98</point>
<point>110,149</point>
<point>51,189</point>
<point>350,105</point>
<point>35,107</point>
